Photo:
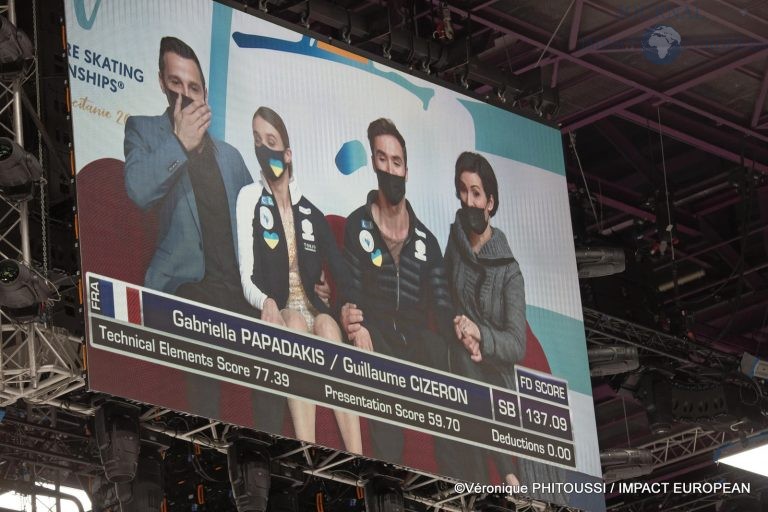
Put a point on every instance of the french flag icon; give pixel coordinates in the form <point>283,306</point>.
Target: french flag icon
<point>117,300</point>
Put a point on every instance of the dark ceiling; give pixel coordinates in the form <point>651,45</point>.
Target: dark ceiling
<point>666,155</point>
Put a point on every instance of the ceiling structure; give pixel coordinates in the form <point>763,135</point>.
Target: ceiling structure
<point>666,153</point>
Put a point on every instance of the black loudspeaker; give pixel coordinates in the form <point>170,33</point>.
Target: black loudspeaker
<point>384,494</point>
<point>145,492</point>
<point>117,435</point>
<point>285,500</point>
<point>249,475</point>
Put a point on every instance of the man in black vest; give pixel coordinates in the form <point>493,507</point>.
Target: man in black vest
<point>397,279</point>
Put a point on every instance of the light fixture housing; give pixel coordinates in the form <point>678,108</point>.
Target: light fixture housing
<point>250,474</point>
<point>19,170</point>
<point>22,291</point>
<point>16,51</point>
<point>384,494</point>
<point>118,439</point>
<point>600,261</point>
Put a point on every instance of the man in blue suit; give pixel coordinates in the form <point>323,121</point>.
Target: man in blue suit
<point>174,165</point>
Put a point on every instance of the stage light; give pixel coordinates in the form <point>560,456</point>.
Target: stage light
<point>626,463</point>
<point>749,455</point>
<point>249,474</point>
<point>117,436</point>
<point>612,360</point>
<point>145,492</point>
<point>547,104</point>
<point>22,290</point>
<point>384,494</point>
<point>600,261</point>
<point>19,170</point>
<point>16,51</point>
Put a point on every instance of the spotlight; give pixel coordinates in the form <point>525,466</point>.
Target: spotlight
<point>117,435</point>
<point>18,170</point>
<point>384,494</point>
<point>612,360</point>
<point>547,104</point>
<point>600,261</point>
<point>249,475</point>
<point>626,463</point>
<point>16,51</point>
<point>145,492</point>
<point>524,86</point>
<point>22,290</point>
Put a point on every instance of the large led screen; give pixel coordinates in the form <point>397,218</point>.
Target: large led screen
<point>286,236</point>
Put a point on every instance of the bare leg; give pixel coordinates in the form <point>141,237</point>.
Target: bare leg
<point>349,424</point>
<point>302,412</point>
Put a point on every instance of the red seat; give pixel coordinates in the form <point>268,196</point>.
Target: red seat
<point>118,240</point>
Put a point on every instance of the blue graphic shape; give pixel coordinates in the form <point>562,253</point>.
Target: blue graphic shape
<point>661,44</point>
<point>308,46</point>
<point>351,157</point>
<point>512,136</point>
<point>83,19</point>
<point>562,339</point>
<point>107,297</point>
<point>376,257</point>
<point>221,23</point>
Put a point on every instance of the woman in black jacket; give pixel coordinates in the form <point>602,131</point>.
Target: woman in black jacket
<point>283,243</point>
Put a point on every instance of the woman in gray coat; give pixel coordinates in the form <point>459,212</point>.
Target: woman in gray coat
<point>489,296</point>
<point>487,289</point>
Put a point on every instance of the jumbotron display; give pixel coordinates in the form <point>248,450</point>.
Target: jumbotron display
<point>283,235</point>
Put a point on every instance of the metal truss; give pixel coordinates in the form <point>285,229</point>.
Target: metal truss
<point>36,449</point>
<point>692,358</point>
<point>338,466</point>
<point>37,362</point>
<point>685,445</point>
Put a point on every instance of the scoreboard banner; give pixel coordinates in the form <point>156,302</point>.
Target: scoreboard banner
<point>185,246</point>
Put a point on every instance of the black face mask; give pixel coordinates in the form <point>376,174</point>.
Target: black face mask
<point>272,162</point>
<point>473,219</point>
<point>172,95</point>
<point>392,186</point>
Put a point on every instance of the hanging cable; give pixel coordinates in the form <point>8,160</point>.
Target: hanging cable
<point>584,179</point>
<point>670,226</point>
<point>552,37</point>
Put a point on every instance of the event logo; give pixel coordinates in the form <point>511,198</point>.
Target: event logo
<point>85,21</point>
<point>267,221</point>
<point>307,230</point>
<point>661,44</point>
<point>101,70</point>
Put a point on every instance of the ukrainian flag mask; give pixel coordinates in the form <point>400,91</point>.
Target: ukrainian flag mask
<point>272,162</point>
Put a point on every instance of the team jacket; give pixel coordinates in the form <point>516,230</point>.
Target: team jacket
<point>403,297</point>
<point>263,252</point>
